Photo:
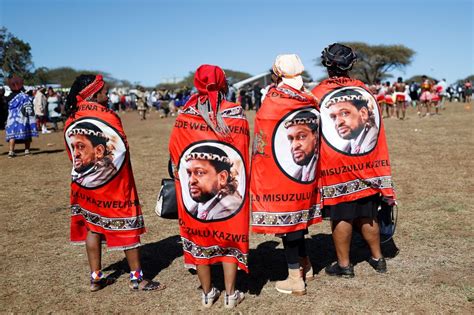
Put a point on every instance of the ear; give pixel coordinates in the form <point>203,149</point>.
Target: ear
<point>364,113</point>
<point>222,178</point>
<point>99,151</point>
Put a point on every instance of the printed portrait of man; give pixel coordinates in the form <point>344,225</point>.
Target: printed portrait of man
<point>211,183</point>
<point>92,161</point>
<point>354,120</point>
<point>302,133</point>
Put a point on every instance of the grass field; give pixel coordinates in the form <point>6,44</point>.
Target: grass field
<point>432,163</point>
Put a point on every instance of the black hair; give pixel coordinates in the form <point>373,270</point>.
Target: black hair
<point>79,84</point>
<point>399,80</point>
<point>219,166</point>
<point>338,59</point>
<point>357,103</point>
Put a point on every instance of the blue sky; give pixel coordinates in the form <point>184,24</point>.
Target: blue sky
<point>155,41</point>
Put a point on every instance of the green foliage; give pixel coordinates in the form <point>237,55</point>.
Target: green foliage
<point>469,78</point>
<point>306,76</point>
<point>15,56</point>
<point>376,61</point>
<point>65,76</point>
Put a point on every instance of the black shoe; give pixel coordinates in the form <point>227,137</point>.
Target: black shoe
<point>336,270</point>
<point>379,265</point>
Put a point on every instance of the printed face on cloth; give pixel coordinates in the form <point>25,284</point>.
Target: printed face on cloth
<point>89,145</point>
<point>354,155</point>
<point>303,136</point>
<point>349,122</point>
<point>209,171</point>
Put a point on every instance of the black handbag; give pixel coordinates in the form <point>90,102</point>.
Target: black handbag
<point>166,205</point>
<point>387,217</point>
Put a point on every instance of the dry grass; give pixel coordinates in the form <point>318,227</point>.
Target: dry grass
<point>432,162</point>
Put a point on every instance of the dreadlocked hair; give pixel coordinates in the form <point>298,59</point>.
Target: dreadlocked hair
<point>79,84</point>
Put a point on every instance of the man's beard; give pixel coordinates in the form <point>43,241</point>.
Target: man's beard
<point>205,196</point>
<point>353,134</point>
<point>305,161</point>
<point>84,168</point>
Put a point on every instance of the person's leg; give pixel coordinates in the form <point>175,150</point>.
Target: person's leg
<point>137,282</point>
<point>369,228</point>
<point>27,146</point>
<point>291,253</point>
<point>11,148</point>
<point>94,251</point>
<point>204,275</point>
<point>341,235</point>
<point>230,276</point>
<point>294,284</point>
<point>305,264</point>
<point>398,109</point>
<point>209,293</point>
<point>133,258</point>
<point>370,231</point>
<point>232,296</point>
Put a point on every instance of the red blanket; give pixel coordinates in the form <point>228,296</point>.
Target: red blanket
<point>354,154</point>
<point>283,186</point>
<point>211,186</point>
<point>103,194</point>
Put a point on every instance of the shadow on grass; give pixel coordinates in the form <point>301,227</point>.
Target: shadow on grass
<point>35,151</point>
<point>266,263</point>
<point>154,258</point>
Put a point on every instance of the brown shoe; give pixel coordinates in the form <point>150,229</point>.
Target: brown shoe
<point>306,269</point>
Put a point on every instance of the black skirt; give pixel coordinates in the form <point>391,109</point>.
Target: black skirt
<point>366,207</point>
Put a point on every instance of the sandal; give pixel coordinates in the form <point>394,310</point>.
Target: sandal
<point>97,285</point>
<point>149,286</point>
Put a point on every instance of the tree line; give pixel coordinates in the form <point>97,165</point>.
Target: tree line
<point>375,62</point>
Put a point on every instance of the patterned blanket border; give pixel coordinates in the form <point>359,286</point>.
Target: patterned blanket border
<point>285,218</point>
<point>212,251</point>
<point>113,224</point>
<point>357,185</point>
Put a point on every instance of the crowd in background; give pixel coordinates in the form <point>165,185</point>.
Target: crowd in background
<point>395,97</point>
<point>49,103</point>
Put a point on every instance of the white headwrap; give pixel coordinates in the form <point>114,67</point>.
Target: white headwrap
<point>289,68</point>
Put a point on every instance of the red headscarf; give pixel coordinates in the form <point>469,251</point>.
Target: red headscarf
<point>91,89</point>
<point>209,80</point>
<point>15,83</point>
